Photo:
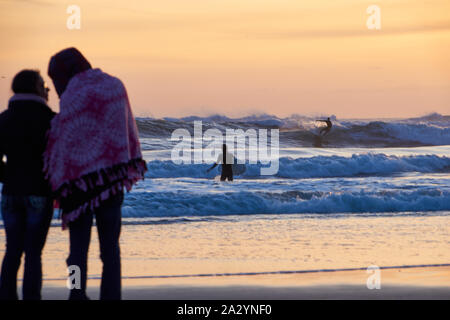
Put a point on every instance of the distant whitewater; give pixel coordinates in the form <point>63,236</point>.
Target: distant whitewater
<point>430,130</point>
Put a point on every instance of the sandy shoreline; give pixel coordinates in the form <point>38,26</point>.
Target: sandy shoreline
<point>398,284</point>
<point>151,253</point>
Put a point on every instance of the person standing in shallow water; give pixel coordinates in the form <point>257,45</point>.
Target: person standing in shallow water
<point>93,154</point>
<point>227,161</point>
<point>26,205</point>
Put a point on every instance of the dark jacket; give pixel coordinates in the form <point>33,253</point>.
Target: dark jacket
<point>23,128</point>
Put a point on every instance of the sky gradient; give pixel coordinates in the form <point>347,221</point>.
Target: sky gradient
<point>231,57</point>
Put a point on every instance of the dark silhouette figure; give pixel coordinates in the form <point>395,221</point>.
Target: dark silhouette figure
<point>27,206</point>
<point>89,181</point>
<point>327,129</point>
<point>227,161</point>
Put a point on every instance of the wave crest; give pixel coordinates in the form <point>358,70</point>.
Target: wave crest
<point>315,167</point>
<point>433,129</point>
<point>175,204</point>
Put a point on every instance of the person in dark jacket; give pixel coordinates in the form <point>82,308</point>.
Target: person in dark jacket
<point>26,202</point>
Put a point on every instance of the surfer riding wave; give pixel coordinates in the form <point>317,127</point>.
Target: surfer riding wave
<point>327,129</point>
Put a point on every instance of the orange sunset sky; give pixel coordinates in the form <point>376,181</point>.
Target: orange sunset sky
<point>239,57</point>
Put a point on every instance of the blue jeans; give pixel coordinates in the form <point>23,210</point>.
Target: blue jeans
<point>26,220</point>
<point>108,218</point>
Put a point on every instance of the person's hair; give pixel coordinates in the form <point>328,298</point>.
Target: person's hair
<point>26,81</point>
<point>64,65</point>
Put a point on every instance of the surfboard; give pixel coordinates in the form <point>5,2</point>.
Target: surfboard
<point>238,169</point>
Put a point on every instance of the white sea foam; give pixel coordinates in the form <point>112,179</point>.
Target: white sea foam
<point>171,204</point>
<point>316,167</point>
<point>433,129</point>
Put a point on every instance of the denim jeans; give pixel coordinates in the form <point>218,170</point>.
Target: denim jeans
<point>26,220</point>
<point>108,219</point>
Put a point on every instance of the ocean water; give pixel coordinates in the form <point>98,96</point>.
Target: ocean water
<point>362,166</point>
<point>371,192</point>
